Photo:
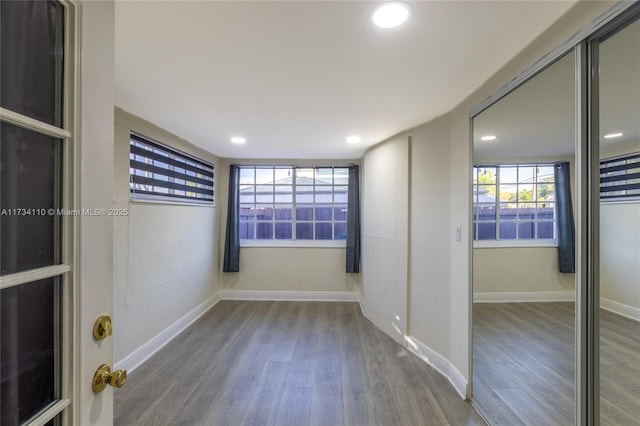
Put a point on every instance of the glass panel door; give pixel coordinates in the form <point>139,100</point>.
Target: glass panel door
<point>32,263</point>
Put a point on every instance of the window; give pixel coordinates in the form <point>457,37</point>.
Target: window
<point>620,177</point>
<point>514,202</point>
<point>157,172</point>
<point>293,203</point>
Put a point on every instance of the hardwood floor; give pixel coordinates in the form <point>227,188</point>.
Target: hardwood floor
<point>524,364</point>
<point>287,363</point>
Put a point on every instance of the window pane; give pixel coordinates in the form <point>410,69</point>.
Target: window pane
<point>304,194</point>
<point>324,176</point>
<point>28,181</point>
<point>284,194</point>
<point>546,191</point>
<point>247,231</point>
<point>264,175</point>
<point>340,212</point>
<point>340,230</point>
<point>247,175</point>
<point>264,212</point>
<point>247,212</point>
<point>283,230</point>
<point>341,176</point>
<point>507,230</point>
<point>486,212</point>
<point>526,211</point>
<point>508,192</point>
<point>340,194</point>
<point>264,193</point>
<point>545,230</point>
<point>487,231</point>
<point>508,211</point>
<point>247,194</point>
<point>545,211</point>
<point>323,231</point>
<point>486,193</point>
<point>32,59</point>
<point>304,176</point>
<point>526,230</point>
<point>304,231</point>
<point>324,194</point>
<point>323,212</point>
<point>508,174</point>
<point>283,176</point>
<point>264,231</point>
<point>486,175</point>
<point>304,212</point>
<point>474,174</point>
<point>525,174</point>
<point>283,213</point>
<point>29,350</point>
<point>525,193</point>
<point>545,174</point>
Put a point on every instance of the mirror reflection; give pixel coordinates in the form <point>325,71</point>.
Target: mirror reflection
<point>523,256</point>
<point>620,227</point>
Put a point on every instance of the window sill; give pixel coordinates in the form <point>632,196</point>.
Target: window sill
<point>292,244</point>
<point>514,244</point>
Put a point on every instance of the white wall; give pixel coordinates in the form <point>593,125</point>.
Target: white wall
<point>620,247</point>
<point>283,269</point>
<point>385,236</point>
<point>165,256</point>
<point>519,270</point>
<point>431,235</point>
<point>620,253</point>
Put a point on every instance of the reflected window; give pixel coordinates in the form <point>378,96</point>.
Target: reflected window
<point>514,202</point>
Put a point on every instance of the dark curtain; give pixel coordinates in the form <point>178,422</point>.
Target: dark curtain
<point>566,227</point>
<point>232,239</point>
<point>353,221</point>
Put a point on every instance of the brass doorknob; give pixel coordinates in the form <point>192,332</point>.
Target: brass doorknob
<point>104,377</point>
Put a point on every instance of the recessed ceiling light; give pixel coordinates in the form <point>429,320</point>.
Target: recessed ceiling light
<point>238,140</point>
<point>353,139</point>
<point>488,138</point>
<point>391,15</point>
<point>613,135</point>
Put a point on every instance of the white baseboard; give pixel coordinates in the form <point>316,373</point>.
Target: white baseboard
<point>441,364</point>
<point>361,302</point>
<point>534,296</point>
<point>144,352</point>
<point>319,296</point>
<point>620,309</point>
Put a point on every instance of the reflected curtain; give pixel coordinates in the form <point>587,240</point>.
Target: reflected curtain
<point>232,238</point>
<point>566,227</point>
<point>353,221</point>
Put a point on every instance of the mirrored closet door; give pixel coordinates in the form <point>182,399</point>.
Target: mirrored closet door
<point>619,137</point>
<point>523,315</point>
<point>541,355</point>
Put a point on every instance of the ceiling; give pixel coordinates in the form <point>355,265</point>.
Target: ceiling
<point>296,78</point>
<point>538,118</point>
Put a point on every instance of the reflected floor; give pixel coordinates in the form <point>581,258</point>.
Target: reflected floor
<point>524,364</point>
